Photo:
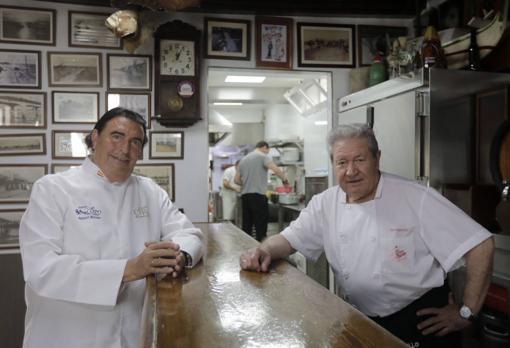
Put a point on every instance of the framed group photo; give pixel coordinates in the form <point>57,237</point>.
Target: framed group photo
<point>88,29</point>
<point>23,109</point>
<point>166,145</point>
<point>75,107</point>
<point>373,39</point>
<point>162,174</point>
<point>62,167</point>
<point>16,181</point>
<point>227,38</point>
<point>24,25</point>
<point>22,144</point>
<point>137,102</point>
<point>326,45</point>
<point>129,72</point>
<point>20,69</point>
<point>9,228</point>
<point>273,42</point>
<point>69,144</point>
<point>74,69</point>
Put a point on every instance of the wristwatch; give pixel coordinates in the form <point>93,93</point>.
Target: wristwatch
<point>466,313</point>
<point>187,258</point>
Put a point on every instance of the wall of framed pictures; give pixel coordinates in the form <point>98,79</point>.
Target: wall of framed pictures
<point>70,70</point>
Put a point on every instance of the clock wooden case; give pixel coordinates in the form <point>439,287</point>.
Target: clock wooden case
<point>177,80</point>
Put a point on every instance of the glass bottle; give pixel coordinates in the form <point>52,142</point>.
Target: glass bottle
<point>473,53</point>
<point>431,51</point>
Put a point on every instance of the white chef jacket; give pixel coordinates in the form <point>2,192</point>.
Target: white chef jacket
<point>76,236</point>
<point>229,196</point>
<point>389,251</point>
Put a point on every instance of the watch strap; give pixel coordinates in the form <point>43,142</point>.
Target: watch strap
<point>187,258</point>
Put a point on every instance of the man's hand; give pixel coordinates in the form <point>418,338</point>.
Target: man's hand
<point>255,259</point>
<point>443,320</point>
<point>157,257</point>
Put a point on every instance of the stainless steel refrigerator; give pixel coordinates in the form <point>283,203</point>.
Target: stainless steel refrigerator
<point>425,123</point>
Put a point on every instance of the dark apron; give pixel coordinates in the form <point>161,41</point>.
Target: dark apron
<point>403,323</point>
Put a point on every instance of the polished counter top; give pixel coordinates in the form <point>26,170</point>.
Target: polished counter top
<point>217,305</point>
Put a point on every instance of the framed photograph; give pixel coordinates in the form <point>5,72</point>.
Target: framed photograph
<point>162,174</point>
<point>22,144</point>
<point>137,102</point>
<point>75,107</point>
<point>9,228</point>
<point>20,69</point>
<point>24,25</point>
<point>227,38</point>
<point>273,42</point>
<point>87,29</point>
<point>69,144</point>
<point>62,167</point>
<point>16,181</point>
<point>373,39</point>
<point>326,45</point>
<point>128,72</point>
<point>22,109</point>
<point>77,69</point>
<point>166,145</point>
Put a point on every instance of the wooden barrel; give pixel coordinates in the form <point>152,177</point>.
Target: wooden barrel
<point>500,154</point>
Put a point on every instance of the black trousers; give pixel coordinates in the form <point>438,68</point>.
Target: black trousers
<point>403,323</point>
<point>255,212</point>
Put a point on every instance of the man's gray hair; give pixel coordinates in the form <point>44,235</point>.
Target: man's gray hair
<point>353,130</point>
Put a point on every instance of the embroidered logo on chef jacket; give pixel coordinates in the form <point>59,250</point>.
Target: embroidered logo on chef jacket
<point>85,212</point>
<point>141,212</point>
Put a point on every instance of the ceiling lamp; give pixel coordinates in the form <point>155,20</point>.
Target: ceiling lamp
<point>245,79</point>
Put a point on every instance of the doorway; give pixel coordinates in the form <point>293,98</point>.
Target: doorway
<point>284,108</point>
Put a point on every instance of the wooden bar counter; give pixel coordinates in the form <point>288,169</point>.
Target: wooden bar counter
<point>217,305</point>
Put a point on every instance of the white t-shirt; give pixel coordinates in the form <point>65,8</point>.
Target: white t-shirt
<point>391,250</point>
<point>76,236</point>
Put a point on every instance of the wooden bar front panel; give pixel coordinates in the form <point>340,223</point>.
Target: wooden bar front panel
<point>218,305</point>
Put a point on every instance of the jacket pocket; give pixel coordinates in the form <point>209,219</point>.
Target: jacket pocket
<point>398,250</point>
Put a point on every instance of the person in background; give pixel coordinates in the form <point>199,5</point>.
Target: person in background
<point>89,237</point>
<point>229,191</point>
<point>391,243</point>
<point>252,176</point>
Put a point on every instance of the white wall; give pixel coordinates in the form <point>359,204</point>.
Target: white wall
<point>191,172</point>
<point>283,122</point>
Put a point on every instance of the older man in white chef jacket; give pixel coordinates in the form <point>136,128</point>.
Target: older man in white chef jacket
<point>89,237</point>
<point>390,242</point>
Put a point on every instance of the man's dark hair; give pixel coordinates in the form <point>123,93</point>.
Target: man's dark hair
<point>262,143</point>
<point>117,112</point>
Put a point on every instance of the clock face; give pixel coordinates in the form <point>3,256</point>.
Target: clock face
<point>177,58</point>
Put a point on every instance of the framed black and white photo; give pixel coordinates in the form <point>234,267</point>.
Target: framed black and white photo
<point>88,29</point>
<point>162,174</point>
<point>73,69</point>
<point>373,39</point>
<point>24,25</point>
<point>326,45</point>
<point>227,38</point>
<point>22,144</point>
<point>9,228</point>
<point>75,107</point>
<point>137,102</point>
<point>69,144</point>
<point>129,72</point>
<point>166,145</point>
<point>16,181</point>
<point>62,167</point>
<point>22,109</point>
<point>20,69</point>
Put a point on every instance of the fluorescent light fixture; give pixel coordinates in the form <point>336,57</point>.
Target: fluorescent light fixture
<point>245,79</point>
<point>321,123</point>
<point>228,103</point>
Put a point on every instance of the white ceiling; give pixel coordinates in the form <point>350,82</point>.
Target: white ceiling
<point>255,97</point>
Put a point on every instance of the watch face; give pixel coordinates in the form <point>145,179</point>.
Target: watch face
<point>177,58</point>
<point>465,312</point>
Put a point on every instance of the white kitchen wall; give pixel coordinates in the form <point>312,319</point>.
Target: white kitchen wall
<point>191,172</point>
<point>283,122</point>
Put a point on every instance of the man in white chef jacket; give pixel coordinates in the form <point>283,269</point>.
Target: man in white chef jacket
<point>89,237</point>
<point>229,192</point>
<point>390,243</point>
